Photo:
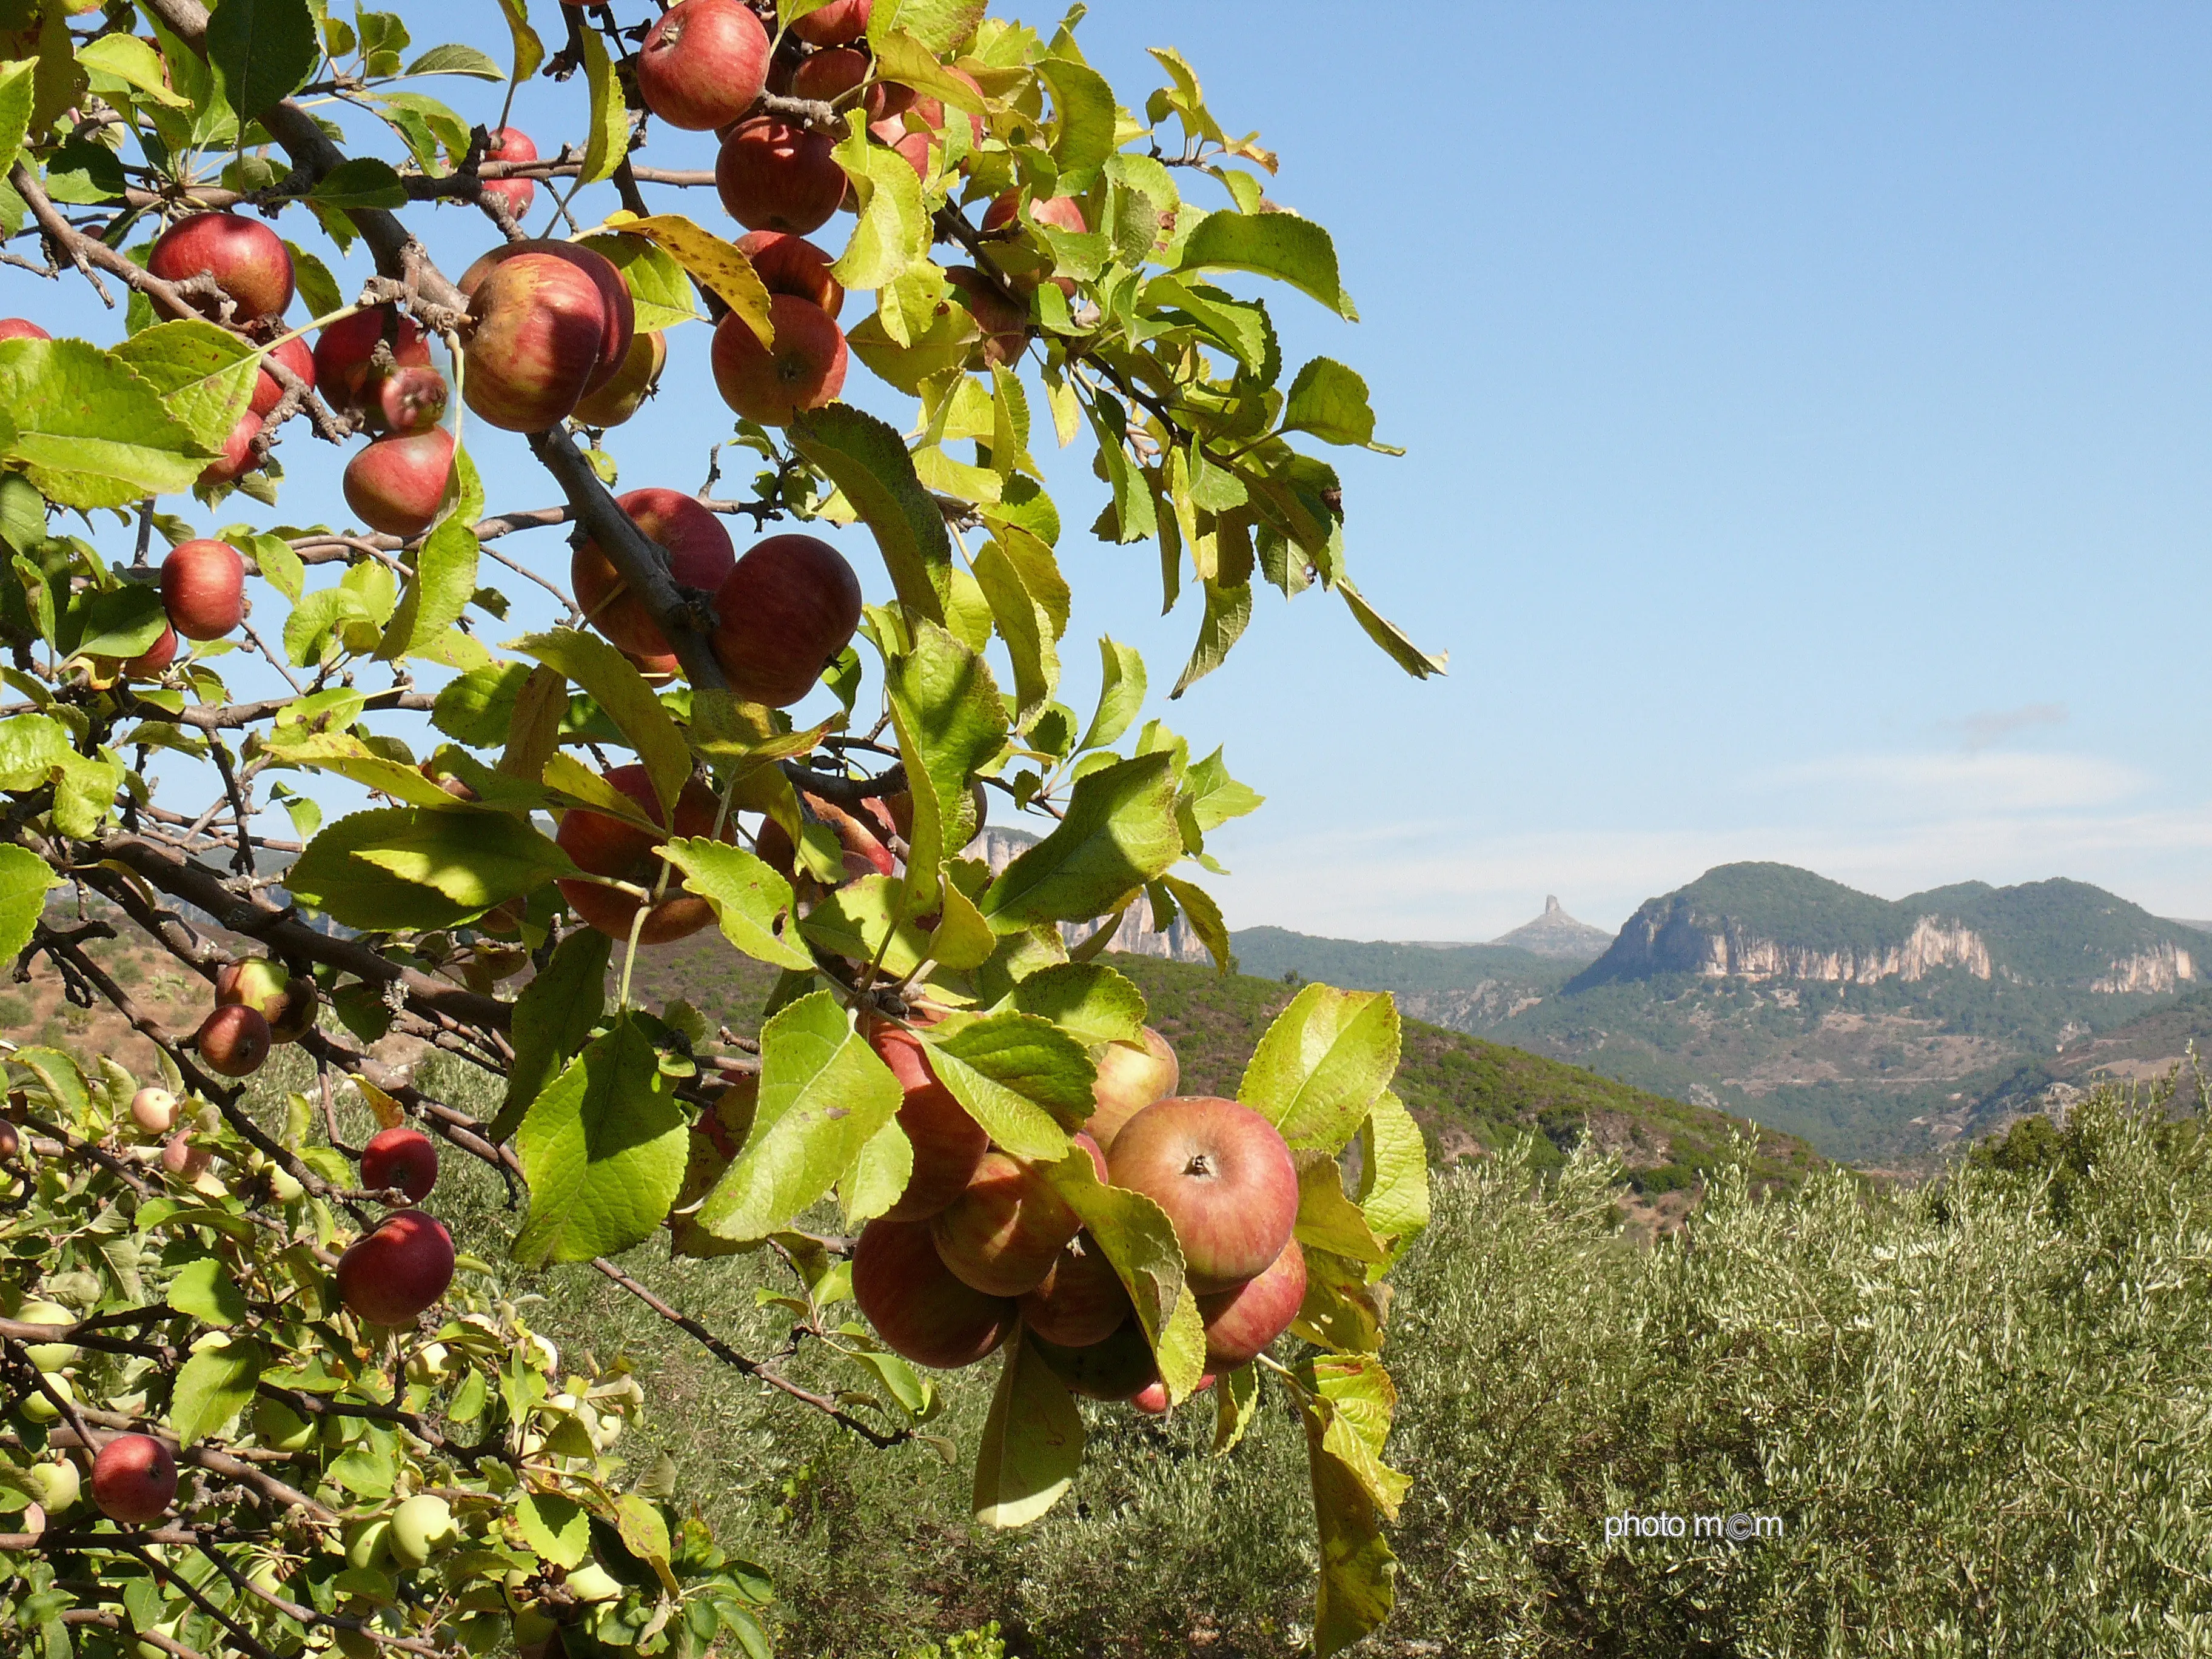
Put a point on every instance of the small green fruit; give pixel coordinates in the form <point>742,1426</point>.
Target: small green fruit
<point>368,1543</point>
<point>147,1651</point>
<point>593,1583</point>
<point>480,1632</point>
<point>39,1409</point>
<point>58,1485</point>
<point>284,1185</point>
<point>421,1527</point>
<point>279,1428</point>
<point>49,1356</point>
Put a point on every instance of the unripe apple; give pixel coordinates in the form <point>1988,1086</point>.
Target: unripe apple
<point>57,1485</point>
<point>633,383</point>
<point>237,458</point>
<point>1224,1177</point>
<point>21,328</point>
<point>512,144</point>
<point>204,588</point>
<point>792,264</point>
<point>368,1543</point>
<point>532,1628</point>
<point>784,615</point>
<point>1242,1322</point>
<point>134,1479</point>
<point>246,259</point>
<point>279,1428</point>
<point>48,1356</point>
<point>268,391</point>
<point>1004,1232</point>
<point>835,24</point>
<point>410,400</point>
<point>183,1159</point>
<point>421,1527</point>
<point>391,1274</point>
<point>154,1110</point>
<point>1130,1079</point>
<point>538,327</point>
<point>919,1310</point>
<point>34,1405</point>
<point>400,1157</point>
<point>154,661</point>
<point>603,846</point>
<point>153,1650</point>
<point>592,1582</point>
<point>233,1041</point>
<point>399,485</point>
<point>948,1144</point>
<point>805,369</point>
<point>1081,1300</point>
<point>1006,325</point>
<point>286,1000</point>
<point>352,354</point>
<point>775,176</point>
<point>702,64</point>
<point>700,556</point>
<point>618,312</point>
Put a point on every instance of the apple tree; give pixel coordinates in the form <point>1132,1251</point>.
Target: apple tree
<point>255,1402</point>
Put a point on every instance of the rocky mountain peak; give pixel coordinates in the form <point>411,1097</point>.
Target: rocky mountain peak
<point>1559,935</point>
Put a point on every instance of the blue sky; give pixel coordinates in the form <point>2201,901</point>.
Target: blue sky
<point>1808,429</point>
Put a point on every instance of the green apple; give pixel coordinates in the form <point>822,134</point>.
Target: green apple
<point>421,1527</point>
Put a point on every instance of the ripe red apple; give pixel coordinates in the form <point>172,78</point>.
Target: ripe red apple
<point>538,327</point>
<point>400,1157</point>
<point>1224,1177</point>
<point>246,259</point>
<point>11,1140</point>
<point>204,588</point>
<point>603,846</point>
<point>1082,1299</point>
<point>931,110</point>
<point>1240,1324</point>
<point>699,556</point>
<point>835,24</point>
<point>134,1479</point>
<point>287,1000</point>
<point>792,264</point>
<point>1130,1079</point>
<point>21,328</point>
<point>398,485</point>
<point>268,391</point>
<point>355,353</point>
<point>620,312</point>
<point>1005,326</point>
<point>1114,1369</point>
<point>1004,1232</point>
<point>233,1041</point>
<point>155,659</point>
<point>865,854</point>
<point>392,1274</point>
<point>702,63</point>
<point>782,616</point>
<point>237,458</point>
<point>183,1159</point>
<point>826,77</point>
<point>775,176</point>
<point>512,144</point>
<point>633,383</point>
<point>1152,1398</point>
<point>1061,212</point>
<point>918,147</point>
<point>409,400</point>
<point>804,370</point>
<point>948,1144</point>
<point>919,1309</point>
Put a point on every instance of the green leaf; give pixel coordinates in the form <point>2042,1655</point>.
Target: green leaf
<point>1120,694</point>
<point>1205,918</point>
<point>18,90</point>
<point>1240,327</point>
<point>529,50</point>
<point>1327,1220</point>
<point>870,920</point>
<point>607,138</point>
<point>1212,797</point>
<point>1280,246</point>
<point>1358,1573</point>
<point>1140,1242</point>
<point>1394,1175</point>
<point>319,289</point>
<point>865,459</point>
<point>942,25</point>
<point>559,1528</point>
<point>1359,1399</point>
<point>660,293</point>
<point>57,1074</point>
<point>213,1387</point>
<point>603,1149</point>
<point>456,60</point>
<point>261,51</point>
<point>892,229</point>
<point>362,182</point>
<point>1022,1078</point>
<point>1118,834</point>
<point>1330,401</point>
<point>951,722</point>
<point>823,1094</point>
<point>552,1017</point>
<point>477,708</point>
<point>878,1176</point>
<point>121,621</point>
<point>1238,1403</point>
<point>1025,615</point>
<point>449,865</point>
<point>89,430</point>
<point>1085,118</point>
<point>441,584</point>
<point>749,899</point>
<point>1092,1002</point>
<point>319,622</point>
<point>1321,1067</point>
<point>613,681</point>
<point>1396,644</point>
<point>25,881</point>
<point>207,1290</point>
<point>1032,1441</point>
<point>31,747</point>
<point>716,263</point>
<point>1228,611</point>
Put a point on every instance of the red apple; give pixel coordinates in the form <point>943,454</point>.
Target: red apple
<point>184,1160</point>
<point>389,1275</point>
<point>1114,1369</point>
<point>865,854</point>
<point>603,846</point>
<point>1061,212</point>
<point>702,64</point>
<point>400,1157</point>
<point>948,1144</point>
<point>620,313</point>
<point>204,588</point>
<point>134,1479</point>
<point>154,1110</point>
<point>512,144</point>
<point>782,617</point>
<point>11,1141</point>
<point>1240,1324</point>
<point>268,391</point>
<point>919,1309</point>
<point>633,383</point>
<point>409,400</point>
<point>233,1041</point>
<point>775,176</point>
<point>699,556</point>
<point>398,485</point>
<point>826,77</point>
<point>1082,1299</point>
<point>835,24</point>
<point>237,458</point>
<point>918,147</point>
<point>1006,325</point>
<point>804,370</point>
<point>792,264</point>
<point>1152,1398</point>
<point>246,259</point>
<point>931,110</point>
<point>352,354</point>
<point>1130,1079</point>
<point>155,659</point>
<point>287,1000</point>
<point>21,328</point>
<point>538,327</point>
<point>1224,1177</point>
<point>1004,1232</point>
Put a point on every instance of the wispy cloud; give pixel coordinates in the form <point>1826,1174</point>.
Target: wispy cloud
<point>1993,727</point>
<point>1969,780</point>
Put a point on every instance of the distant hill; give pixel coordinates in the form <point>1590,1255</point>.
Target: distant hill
<point>1556,933</point>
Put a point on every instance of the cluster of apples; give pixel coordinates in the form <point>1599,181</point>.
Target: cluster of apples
<point>980,1240</point>
<point>401,1266</point>
<point>134,1476</point>
<point>258,1005</point>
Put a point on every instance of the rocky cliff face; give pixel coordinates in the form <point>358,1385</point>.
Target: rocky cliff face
<point>2164,967</point>
<point>1668,936</point>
